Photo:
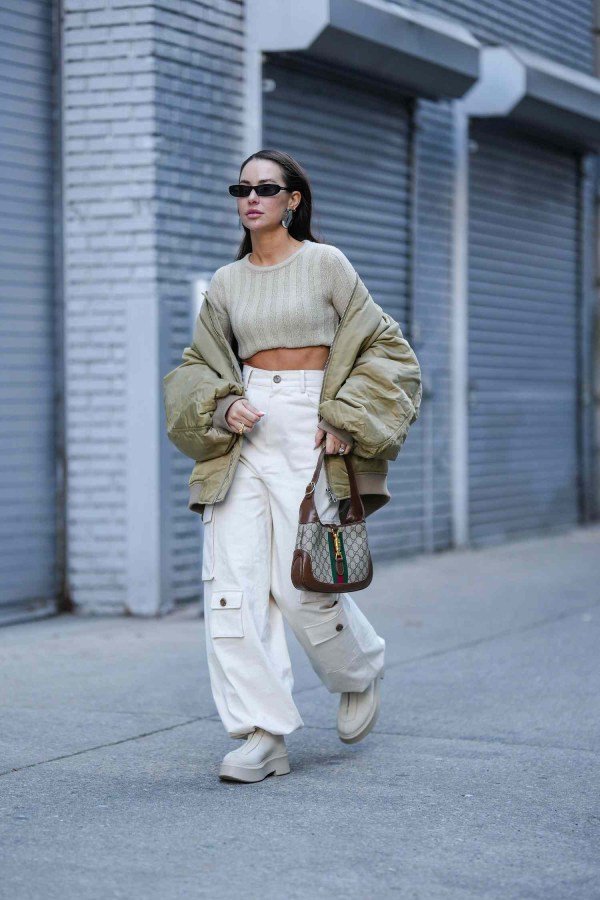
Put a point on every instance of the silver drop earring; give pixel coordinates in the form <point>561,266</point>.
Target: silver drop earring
<point>289,214</point>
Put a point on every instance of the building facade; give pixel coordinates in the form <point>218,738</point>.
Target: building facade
<point>453,154</point>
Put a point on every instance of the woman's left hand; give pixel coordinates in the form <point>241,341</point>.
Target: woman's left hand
<point>332,444</point>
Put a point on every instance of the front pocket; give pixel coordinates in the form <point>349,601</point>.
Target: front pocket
<point>226,619</point>
<point>333,638</point>
<point>313,396</point>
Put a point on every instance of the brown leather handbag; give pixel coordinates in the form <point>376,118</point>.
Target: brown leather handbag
<point>330,558</point>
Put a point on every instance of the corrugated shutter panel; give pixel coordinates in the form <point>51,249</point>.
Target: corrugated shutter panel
<point>558,29</point>
<point>523,298</point>
<point>27,450</point>
<point>352,139</point>
<point>434,179</point>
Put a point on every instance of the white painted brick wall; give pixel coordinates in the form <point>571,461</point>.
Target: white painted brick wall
<point>153,111</point>
<point>110,263</point>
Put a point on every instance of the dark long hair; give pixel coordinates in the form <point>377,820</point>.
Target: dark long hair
<point>295,179</point>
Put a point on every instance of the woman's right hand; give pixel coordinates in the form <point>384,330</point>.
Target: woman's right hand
<point>242,411</point>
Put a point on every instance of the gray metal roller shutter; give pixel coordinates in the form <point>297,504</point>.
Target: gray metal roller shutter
<point>557,29</point>
<point>352,137</point>
<point>523,311</point>
<point>27,448</point>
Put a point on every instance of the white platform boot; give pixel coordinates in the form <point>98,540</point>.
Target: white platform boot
<point>261,754</point>
<point>358,712</point>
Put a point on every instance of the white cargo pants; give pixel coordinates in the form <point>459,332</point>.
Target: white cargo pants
<point>249,539</point>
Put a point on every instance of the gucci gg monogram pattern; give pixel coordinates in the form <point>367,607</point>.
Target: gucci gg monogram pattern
<point>312,537</point>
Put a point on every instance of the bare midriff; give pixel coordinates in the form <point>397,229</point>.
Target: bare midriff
<point>282,358</point>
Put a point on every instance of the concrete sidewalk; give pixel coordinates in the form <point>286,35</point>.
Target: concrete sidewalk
<point>480,780</point>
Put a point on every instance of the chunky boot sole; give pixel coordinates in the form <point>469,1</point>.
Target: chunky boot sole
<point>276,765</point>
<point>363,731</point>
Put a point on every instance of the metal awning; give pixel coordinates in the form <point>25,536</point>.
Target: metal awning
<point>419,53</point>
<point>545,96</point>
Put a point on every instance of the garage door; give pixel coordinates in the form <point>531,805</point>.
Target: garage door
<point>523,310</point>
<point>353,141</point>
<point>27,446</point>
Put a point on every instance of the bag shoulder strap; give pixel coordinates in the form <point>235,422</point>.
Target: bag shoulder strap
<point>355,512</point>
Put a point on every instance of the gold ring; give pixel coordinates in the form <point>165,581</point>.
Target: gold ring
<point>242,428</point>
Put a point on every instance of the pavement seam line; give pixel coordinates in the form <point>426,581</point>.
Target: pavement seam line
<point>126,740</point>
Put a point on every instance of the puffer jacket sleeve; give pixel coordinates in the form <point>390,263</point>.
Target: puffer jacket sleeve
<point>191,394</point>
<point>381,397</point>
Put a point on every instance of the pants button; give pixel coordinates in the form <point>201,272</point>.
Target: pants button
<point>276,377</point>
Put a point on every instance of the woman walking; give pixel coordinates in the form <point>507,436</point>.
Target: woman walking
<point>289,352</point>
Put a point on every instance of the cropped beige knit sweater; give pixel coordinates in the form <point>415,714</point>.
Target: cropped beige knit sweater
<point>294,303</point>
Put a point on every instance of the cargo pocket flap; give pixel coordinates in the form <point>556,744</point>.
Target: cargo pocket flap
<point>226,599</point>
<point>226,614</point>
<point>330,628</point>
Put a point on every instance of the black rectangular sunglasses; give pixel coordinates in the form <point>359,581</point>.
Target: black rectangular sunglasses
<point>262,190</point>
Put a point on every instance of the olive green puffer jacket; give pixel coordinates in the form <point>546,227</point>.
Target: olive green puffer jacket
<point>371,390</point>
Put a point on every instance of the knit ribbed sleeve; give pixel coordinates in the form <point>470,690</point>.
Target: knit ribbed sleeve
<point>216,292</point>
<point>341,277</point>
